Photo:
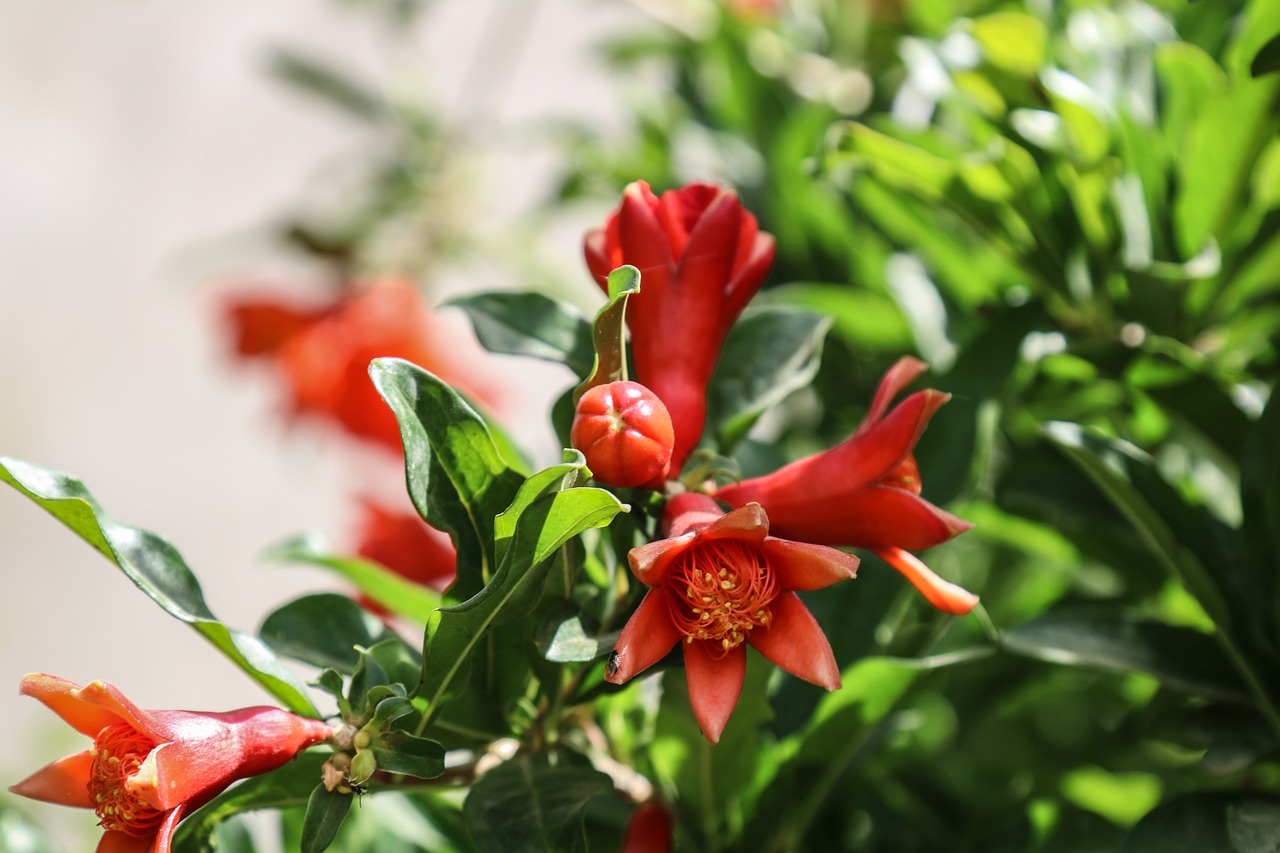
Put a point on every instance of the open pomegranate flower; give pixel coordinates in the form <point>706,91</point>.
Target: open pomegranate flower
<point>717,582</point>
<point>865,492</point>
<point>701,256</point>
<point>147,769</point>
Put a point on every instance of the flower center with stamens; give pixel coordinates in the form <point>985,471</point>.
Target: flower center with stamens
<point>720,592</point>
<point>118,751</point>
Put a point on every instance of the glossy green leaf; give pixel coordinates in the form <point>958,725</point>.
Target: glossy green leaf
<point>326,810</point>
<point>379,583</point>
<point>768,354</point>
<point>546,513</point>
<point>157,569</point>
<point>531,324</point>
<point>401,752</point>
<point>528,805</point>
<point>323,630</point>
<point>563,638</point>
<point>1184,659</point>
<point>457,478</point>
<point>609,332</point>
<point>1012,41</point>
<point>289,786</point>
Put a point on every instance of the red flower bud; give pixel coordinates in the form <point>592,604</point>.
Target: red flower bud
<point>649,830</point>
<point>624,431</point>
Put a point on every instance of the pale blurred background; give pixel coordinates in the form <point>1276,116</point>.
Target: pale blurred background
<point>145,154</point>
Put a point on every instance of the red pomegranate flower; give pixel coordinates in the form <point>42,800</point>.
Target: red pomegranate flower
<point>717,582</point>
<point>701,256</point>
<point>323,353</point>
<point>865,492</point>
<point>147,769</point>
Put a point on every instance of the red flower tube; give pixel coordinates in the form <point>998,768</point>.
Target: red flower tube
<point>701,256</point>
<point>147,769</point>
<point>865,492</point>
<point>717,582</point>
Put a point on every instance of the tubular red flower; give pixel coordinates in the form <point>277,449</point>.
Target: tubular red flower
<point>147,769</point>
<point>702,257</point>
<point>649,830</point>
<point>865,492</point>
<point>323,353</point>
<point>718,582</point>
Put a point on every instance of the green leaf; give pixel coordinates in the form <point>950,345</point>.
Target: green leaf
<point>1267,59</point>
<point>457,478</point>
<point>401,752</point>
<point>531,324</point>
<point>379,583</point>
<point>1260,485</point>
<point>1012,41</point>
<point>1122,798</point>
<point>528,805</point>
<point>323,630</point>
<point>326,810</point>
<point>1206,822</point>
<point>289,786</point>
<point>608,332</point>
<point>545,514</point>
<point>899,164</point>
<point>317,77</point>
<point>768,354</point>
<point>1254,826</point>
<point>562,638</point>
<point>864,318</point>
<point>157,569</point>
<point>1179,657</point>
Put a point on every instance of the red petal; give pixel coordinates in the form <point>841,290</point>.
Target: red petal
<point>65,699</point>
<point>801,565</point>
<point>689,512</point>
<point>109,698</point>
<point>749,271</point>
<point>680,210</point>
<point>715,682</point>
<point>903,373</point>
<point>646,638</point>
<point>643,242</point>
<point>651,562</point>
<point>118,842</point>
<point>599,259</point>
<point>64,782</point>
<point>705,266</point>
<point>744,524</point>
<point>795,642</point>
<point>878,517</point>
<point>164,838</point>
<point>944,595</point>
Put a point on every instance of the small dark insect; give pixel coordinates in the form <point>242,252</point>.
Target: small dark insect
<point>357,788</point>
<point>611,668</point>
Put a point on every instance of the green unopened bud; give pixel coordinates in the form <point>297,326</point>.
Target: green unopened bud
<point>362,740</point>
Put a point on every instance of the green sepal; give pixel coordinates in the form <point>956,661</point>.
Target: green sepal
<point>157,569</point>
<point>609,332</point>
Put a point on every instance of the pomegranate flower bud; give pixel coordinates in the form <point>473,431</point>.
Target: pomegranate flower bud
<point>719,582</point>
<point>865,492</point>
<point>625,433</point>
<point>649,830</point>
<point>703,257</point>
<point>147,770</point>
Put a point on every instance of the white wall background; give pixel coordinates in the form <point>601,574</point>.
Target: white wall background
<point>143,154</point>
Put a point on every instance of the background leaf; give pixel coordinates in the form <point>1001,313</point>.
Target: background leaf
<point>528,805</point>
<point>529,323</point>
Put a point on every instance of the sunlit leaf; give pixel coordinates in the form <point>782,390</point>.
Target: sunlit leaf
<point>531,324</point>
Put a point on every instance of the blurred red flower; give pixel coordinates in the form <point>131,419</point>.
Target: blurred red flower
<point>147,769</point>
<point>865,492</point>
<point>323,353</point>
<point>701,257</point>
<point>716,582</point>
<point>406,545</point>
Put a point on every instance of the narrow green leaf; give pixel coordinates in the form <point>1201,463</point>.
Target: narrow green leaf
<point>541,520</point>
<point>320,79</point>
<point>379,583</point>
<point>767,355</point>
<point>530,806</point>
<point>609,331</point>
<point>1183,659</point>
<point>531,324</point>
<point>326,810</point>
<point>289,786</point>
<point>1012,41</point>
<point>401,752</point>
<point>157,569</point>
<point>457,478</point>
